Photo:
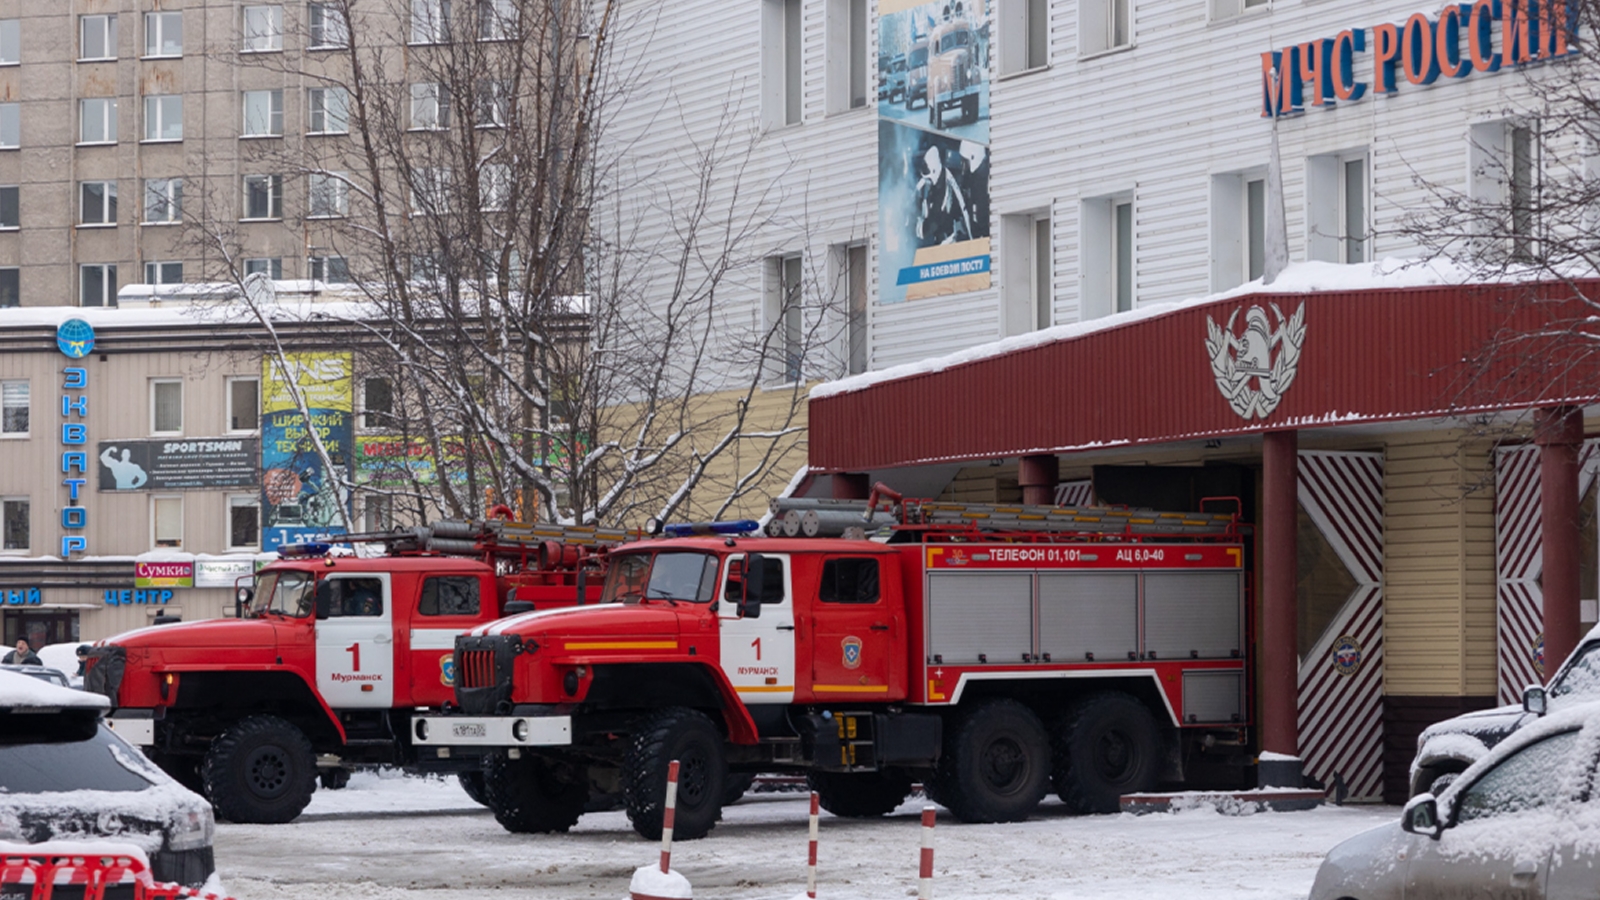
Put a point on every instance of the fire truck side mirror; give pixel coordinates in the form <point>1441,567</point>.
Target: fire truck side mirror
<point>756,571</point>
<point>324,599</point>
<point>241,599</point>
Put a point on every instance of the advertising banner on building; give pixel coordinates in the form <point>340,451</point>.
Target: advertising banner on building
<point>163,574</point>
<point>222,572</point>
<point>178,465</point>
<point>933,148</point>
<point>300,499</point>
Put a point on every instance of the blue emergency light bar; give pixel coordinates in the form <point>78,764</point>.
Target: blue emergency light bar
<point>304,551</point>
<point>686,529</point>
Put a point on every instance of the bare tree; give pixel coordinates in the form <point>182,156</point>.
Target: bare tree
<point>532,335</point>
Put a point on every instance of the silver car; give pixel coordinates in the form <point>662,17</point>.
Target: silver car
<point>1523,822</point>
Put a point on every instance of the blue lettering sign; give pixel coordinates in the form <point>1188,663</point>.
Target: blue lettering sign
<point>74,485</point>
<point>71,543</point>
<point>75,458</point>
<point>76,377</point>
<point>74,517</point>
<point>79,405</point>
<point>74,433</point>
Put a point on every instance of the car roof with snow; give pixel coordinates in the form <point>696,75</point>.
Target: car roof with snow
<point>21,691</point>
<point>1572,718</point>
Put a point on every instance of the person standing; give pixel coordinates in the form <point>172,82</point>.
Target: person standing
<point>22,656</point>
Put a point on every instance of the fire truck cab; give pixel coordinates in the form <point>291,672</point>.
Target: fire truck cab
<point>1081,651</point>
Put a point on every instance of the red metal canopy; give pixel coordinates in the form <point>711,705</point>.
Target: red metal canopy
<point>1262,362</point>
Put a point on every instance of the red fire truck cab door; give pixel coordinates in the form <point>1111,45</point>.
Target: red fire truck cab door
<point>446,606</point>
<point>858,633</point>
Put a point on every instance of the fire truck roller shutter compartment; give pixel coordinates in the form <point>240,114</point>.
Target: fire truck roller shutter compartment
<point>1084,613</point>
<point>1211,698</point>
<point>1192,615</point>
<point>980,616</point>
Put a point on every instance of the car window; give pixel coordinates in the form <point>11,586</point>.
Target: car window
<point>450,595</point>
<point>354,596</point>
<point>1527,779</point>
<point>683,576</point>
<point>101,763</point>
<point>853,580</point>
<point>1583,677</point>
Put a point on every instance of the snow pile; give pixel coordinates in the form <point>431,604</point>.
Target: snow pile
<point>650,883</point>
<point>391,791</point>
<point>17,689</point>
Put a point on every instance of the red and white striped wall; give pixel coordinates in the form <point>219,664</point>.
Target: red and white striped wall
<point>1341,679</point>
<point>1519,561</point>
<point>1075,493</point>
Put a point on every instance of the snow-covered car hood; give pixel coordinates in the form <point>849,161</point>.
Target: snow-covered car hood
<point>1488,726</point>
<point>19,690</point>
<point>1351,869</point>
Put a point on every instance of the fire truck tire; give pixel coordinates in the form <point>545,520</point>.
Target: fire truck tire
<point>334,779</point>
<point>996,764</point>
<point>261,771</point>
<point>1106,745</point>
<point>532,795</point>
<point>472,783</point>
<point>660,737</point>
<point>864,795</point>
<point>736,786</point>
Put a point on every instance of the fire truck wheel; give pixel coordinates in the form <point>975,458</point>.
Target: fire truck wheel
<point>736,786</point>
<point>995,765</point>
<point>261,772</point>
<point>472,783</point>
<point>532,795</point>
<point>659,738</point>
<point>1105,746</point>
<point>334,779</point>
<point>864,795</point>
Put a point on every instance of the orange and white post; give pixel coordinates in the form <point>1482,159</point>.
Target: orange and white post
<point>811,852</point>
<point>659,882</point>
<point>668,814</point>
<point>925,873</point>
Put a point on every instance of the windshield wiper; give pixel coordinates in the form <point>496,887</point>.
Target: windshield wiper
<point>667,597</point>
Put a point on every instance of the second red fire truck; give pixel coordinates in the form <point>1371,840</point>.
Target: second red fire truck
<point>991,653</point>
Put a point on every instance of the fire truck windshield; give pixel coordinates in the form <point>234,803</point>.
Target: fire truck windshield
<point>285,593</point>
<point>672,576</point>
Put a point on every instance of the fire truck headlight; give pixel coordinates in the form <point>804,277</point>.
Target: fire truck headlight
<point>519,729</point>
<point>569,683</point>
<point>420,727</point>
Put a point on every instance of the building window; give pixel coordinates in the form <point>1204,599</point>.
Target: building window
<point>329,193</point>
<point>270,266</point>
<point>497,19</point>
<point>1025,270</point>
<point>97,203</point>
<point>97,37</point>
<point>493,106</point>
<point>1504,187</point>
<point>10,126</point>
<point>1024,27</point>
<point>263,29</point>
<point>430,106</point>
<point>168,272</point>
<point>163,200</point>
<point>14,523</point>
<point>1524,184</point>
<point>1105,25</point>
<point>97,284</point>
<point>430,21</point>
<point>97,121</point>
<point>784,319</point>
<point>1226,9</point>
<point>163,117</point>
<point>244,404</point>
<point>330,269</point>
<point>244,522</point>
<point>14,407</point>
<point>263,196</point>
<point>1336,207</point>
<point>781,93</point>
<point>10,208</point>
<point>166,521</point>
<point>494,186</point>
<point>847,54</point>
<point>263,113</point>
<point>431,194</point>
<point>10,42</point>
<point>377,403</point>
<point>330,110</point>
<point>855,286</point>
<point>163,34</point>
<point>166,406</point>
<point>328,31</point>
<point>10,287</point>
<point>1107,256</point>
<point>1122,254</point>
<point>1238,228</point>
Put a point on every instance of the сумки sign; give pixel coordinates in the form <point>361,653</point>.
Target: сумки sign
<point>1484,36</point>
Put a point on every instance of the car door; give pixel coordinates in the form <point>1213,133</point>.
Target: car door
<point>355,641</point>
<point>1497,845</point>
<point>856,642</point>
<point>758,651</point>
<point>447,606</point>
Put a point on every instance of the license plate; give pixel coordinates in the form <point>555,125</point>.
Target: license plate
<point>469,730</point>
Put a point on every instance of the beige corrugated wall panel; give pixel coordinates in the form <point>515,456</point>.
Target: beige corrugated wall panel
<point>1438,566</point>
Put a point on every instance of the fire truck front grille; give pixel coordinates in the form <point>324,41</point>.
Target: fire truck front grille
<point>477,668</point>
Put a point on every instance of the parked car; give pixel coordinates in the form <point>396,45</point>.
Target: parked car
<point>1519,822</point>
<point>42,673</point>
<point>65,776</point>
<point>64,657</point>
<point>1445,749</point>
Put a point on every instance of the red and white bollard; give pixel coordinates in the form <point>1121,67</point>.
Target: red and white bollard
<point>925,873</point>
<point>811,852</point>
<point>659,882</point>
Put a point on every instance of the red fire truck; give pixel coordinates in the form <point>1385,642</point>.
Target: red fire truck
<point>990,653</point>
<point>329,656</point>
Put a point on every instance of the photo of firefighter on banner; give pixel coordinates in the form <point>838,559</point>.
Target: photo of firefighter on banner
<point>933,148</point>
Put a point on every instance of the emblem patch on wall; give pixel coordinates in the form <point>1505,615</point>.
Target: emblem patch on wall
<point>1538,653</point>
<point>447,670</point>
<point>852,652</point>
<point>1347,655</point>
<point>1255,369</point>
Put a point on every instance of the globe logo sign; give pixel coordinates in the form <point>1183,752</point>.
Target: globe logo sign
<point>75,338</point>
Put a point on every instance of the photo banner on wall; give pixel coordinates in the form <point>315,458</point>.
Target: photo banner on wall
<point>300,500</point>
<point>933,148</point>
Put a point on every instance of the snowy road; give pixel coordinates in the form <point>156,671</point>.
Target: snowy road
<point>397,838</point>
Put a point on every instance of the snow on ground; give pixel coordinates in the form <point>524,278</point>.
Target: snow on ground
<point>399,838</point>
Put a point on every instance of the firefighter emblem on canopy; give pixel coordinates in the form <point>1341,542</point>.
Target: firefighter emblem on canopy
<point>1255,369</point>
<point>852,652</point>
